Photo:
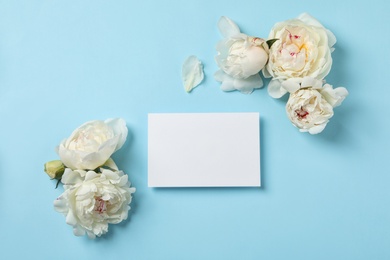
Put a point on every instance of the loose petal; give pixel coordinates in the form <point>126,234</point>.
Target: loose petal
<point>192,73</point>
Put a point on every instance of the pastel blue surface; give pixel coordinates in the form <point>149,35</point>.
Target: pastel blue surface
<point>63,63</point>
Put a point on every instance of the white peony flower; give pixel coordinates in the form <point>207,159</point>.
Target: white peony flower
<point>240,57</point>
<point>303,49</point>
<point>92,144</point>
<point>311,106</point>
<point>93,200</point>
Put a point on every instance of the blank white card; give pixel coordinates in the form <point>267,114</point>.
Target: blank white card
<point>204,150</point>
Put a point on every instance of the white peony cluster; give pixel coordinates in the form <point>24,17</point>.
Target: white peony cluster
<point>297,58</point>
<point>96,192</point>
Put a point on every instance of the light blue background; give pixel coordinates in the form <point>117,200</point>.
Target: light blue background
<point>63,63</point>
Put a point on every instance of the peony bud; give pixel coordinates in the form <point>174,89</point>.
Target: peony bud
<point>55,169</point>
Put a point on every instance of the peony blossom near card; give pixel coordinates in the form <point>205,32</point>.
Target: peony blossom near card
<point>203,150</point>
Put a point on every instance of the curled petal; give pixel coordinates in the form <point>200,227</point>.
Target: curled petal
<point>192,73</point>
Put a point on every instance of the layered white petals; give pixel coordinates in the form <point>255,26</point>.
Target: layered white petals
<point>93,143</point>
<point>91,201</point>
<point>192,73</point>
<point>308,110</point>
<point>240,57</point>
<point>303,49</point>
<point>311,104</point>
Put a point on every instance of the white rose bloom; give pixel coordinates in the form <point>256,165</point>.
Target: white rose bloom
<point>92,200</point>
<point>303,49</point>
<point>311,106</point>
<point>92,144</point>
<point>240,58</point>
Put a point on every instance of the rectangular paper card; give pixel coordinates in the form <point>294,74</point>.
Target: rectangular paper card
<point>204,150</point>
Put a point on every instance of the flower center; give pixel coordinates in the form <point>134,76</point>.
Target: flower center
<point>100,205</point>
<point>301,113</point>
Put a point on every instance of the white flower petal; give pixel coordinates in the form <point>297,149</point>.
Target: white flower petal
<point>91,175</point>
<point>331,39</point>
<point>111,164</point>
<point>219,75</point>
<point>245,86</point>
<point>61,205</point>
<point>275,89</point>
<point>192,73</point>
<point>71,177</point>
<point>227,27</point>
<point>308,82</point>
<point>226,80</point>
<point>334,96</point>
<point>317,129</point>
<point>119,127</point>
<point>292,85</point>
<point>78,231</point>
<point>310,20</point>
<point>266,73</point>
<point>71,218</point>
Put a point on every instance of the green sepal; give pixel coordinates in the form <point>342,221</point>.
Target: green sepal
<point>270,42</point>
<point>58,182</point>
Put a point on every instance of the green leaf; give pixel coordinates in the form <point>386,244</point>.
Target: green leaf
<point>270,42</point>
